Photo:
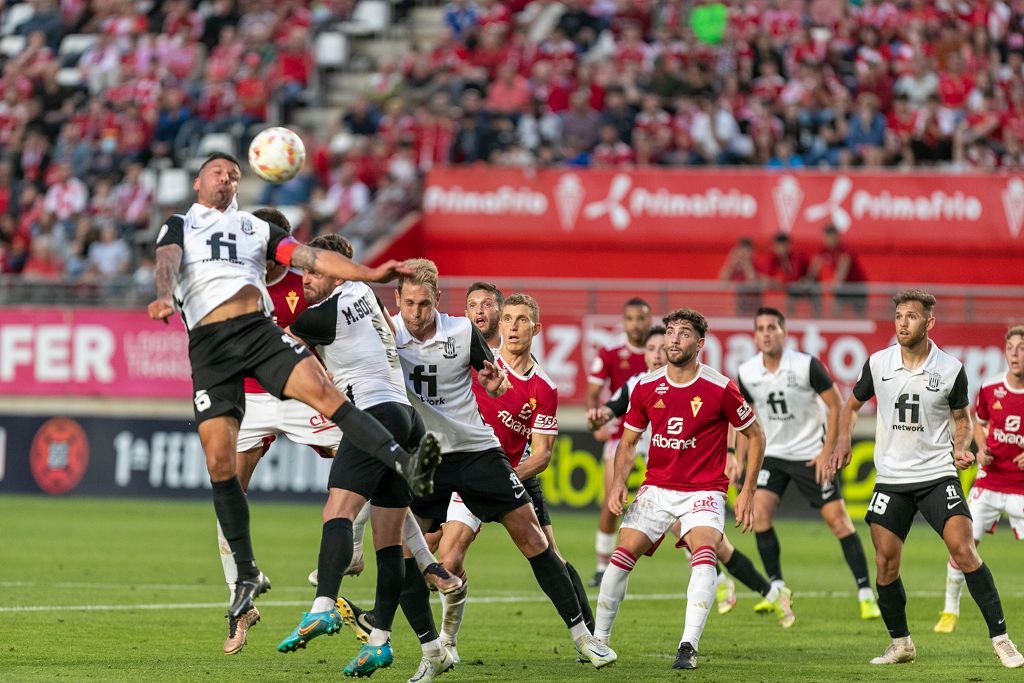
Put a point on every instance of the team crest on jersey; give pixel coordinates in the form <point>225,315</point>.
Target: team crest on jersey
<point>696,403</point>
<point>448,350</point>
<point>624,364</point>
<point>997,406</point>
<point>292,299</point>
<point>661,389</point>
<point>1000,392</point>
<point>791,380</point>
<point>933,381</point>
<point>659,404</point>
<point>247,226</point>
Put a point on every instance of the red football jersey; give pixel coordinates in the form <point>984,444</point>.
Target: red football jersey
<point>529,406</point>
<point>286,294</point>
<point>615,365</point>
<point>689,427</point>
<point>1003,409</point>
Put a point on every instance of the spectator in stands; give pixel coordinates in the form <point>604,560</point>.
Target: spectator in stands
<point>292,70</point>
<point>509,94</point>
<point>472,143</point>
<point>461,17</point>
<point>933,133</point>
<point>133,201</point>
<point>839,265</point>
<point>581,122</point>
<point>865,137</point>
<point>361,118</point>
<point>109,256</point>
<point>789,270</point>
<point>346,197</point>
<point>578,25</point>
<point>43,264</point>
<point>740,270</point>
<point>66,198</point>
<point>173,114</point>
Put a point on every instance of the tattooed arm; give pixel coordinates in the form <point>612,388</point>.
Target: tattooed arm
<point>962,457</point>
<point>165,276</point>
<point>333,264</point>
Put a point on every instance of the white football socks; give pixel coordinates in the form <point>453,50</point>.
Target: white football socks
<point>700,594</point>
<point>416,544</point>
<point>227,560</point>
<point>613,590</point>
<point>604,545</point>
<point>453,609</point>
<point>954,588</point>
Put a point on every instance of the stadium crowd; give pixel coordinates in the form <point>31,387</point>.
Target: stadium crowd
<point>586,83</point>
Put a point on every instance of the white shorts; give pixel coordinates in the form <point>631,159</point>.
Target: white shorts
<point>266,417</point>
<point>655,510</point>
<point>988,506</point>
<point>458,512</point>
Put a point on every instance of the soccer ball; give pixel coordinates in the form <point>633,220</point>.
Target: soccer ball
<point>277,154</point>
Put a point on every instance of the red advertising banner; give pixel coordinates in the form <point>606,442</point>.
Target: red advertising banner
<point>666,206</point>
<point>92,352</point>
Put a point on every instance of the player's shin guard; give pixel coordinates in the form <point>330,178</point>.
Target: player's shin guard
<point>954,588</point>
<point>742,567</point>
<point>415,601</point>
<point>390,582</point>
<point>232,510</point>
<point>370,436</point>
<point>983,589</point>
<point>581,596</point>
<point>700,594</point>
<point>853,551</point>
<point>227,561</point>
<point>768,547</point>
<point>335,554</point>
<point>604,545</point>
<point>412,537</point>
<point>554,581</point>
<point>453,609</point>
<point>613,590</point>
<point>892,602</point>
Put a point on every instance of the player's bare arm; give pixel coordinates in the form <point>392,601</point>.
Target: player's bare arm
<point>733,468</point>
<point>844,439</point>
<point>755,456</point>
<point>980,428</point>
<point>834,404</point>
<point>625,456</point>
<point>540,456</point>
<point>165,277</point>
<point>333,264</point>
<point>962,457</point>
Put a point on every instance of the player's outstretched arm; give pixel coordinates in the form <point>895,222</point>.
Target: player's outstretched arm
<point>844,439</point>
<point>165,278</point>
<point>333,264</point>
<point>625,457</point>
<point>744,506</point>
<point>962,457</point>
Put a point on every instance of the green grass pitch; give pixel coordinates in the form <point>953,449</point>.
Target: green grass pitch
<point>132,590</point>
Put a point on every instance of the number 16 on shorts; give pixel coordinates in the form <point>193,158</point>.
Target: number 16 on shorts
<point>879,503</point>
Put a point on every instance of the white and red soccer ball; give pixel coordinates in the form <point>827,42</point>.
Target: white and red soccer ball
<point>277,154</point>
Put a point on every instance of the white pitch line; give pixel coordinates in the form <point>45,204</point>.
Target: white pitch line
<point>484,599</point>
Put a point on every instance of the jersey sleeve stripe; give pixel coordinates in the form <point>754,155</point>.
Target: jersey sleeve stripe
<point>550,432</point>
<point>631,428</point>
<point>752,420</point>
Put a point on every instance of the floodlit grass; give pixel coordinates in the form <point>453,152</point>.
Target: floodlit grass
<point>71,571</point>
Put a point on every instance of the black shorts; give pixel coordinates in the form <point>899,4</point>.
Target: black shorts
<point>776,474</point>
<point>484,480</point>
<point>224,353</point>
<point>358,471</point>
<point>894,506</point>
<point>433,507</point>
<point>540,506</point>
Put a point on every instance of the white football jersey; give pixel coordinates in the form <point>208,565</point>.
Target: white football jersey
<point>356,345</point>
<point>912,438</point>
<point>221,253</point>
<point>786,403</point>
<point>439,374</point>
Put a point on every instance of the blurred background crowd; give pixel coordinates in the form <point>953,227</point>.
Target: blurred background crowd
<point>105,105</point>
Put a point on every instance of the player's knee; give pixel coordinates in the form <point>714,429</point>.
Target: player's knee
<point>966,556</point>
<point>887,568</point>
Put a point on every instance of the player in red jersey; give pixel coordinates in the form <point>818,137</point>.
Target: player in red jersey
<point>614,366</point>
<point>483,307</point>
<point>690,408</point>
<point>525,421</point>
<point>999,488</point>
<point>266,417</point>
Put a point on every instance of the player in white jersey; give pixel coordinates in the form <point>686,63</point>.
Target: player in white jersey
<point>483,307</point>
<point>355,341</point>
<point>787,389</point>
<point>735,561</point>
<point>919,387</point>
<point>211,265</point>
<point>438,354</point>
<point>999,486</point>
